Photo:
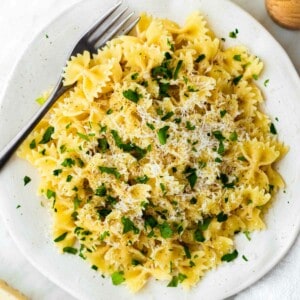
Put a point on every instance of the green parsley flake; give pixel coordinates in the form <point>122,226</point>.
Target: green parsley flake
<point>69,178</point>
<point>237,57</point>
<point>200,58</point>
<point>237,79</point>
<point>266,82</point>
<point>255,76</point>
<point>103,145</point>
<point>273,129</point>
<point>70,250</point>
<point>26,180</point>
<point>233,34</point>
<point>245,258</point>
<point>223,113</point>
<point>50,194</point>
<point>230,256</point>
<point>117,278</point>
<point>247,235</point>
<point>40,100</point>
<point>131,148</point>
<point>165,230</point>
<point>189,126</point>
<point>109,111</point>
<point>47,135</point>
<point>57,172</point>
<point>163,135</point>
<point>151,126</point>
<point>101,191</point>
<point>167,116</point>
<point>68,162</point>
<point>191,176</point>
<point>198,236</point>
<point>221,217</point>
<point>128,225</point>
<point>112,171</point>
<point>61,237</point>
<point>233,136</point>
<point>32,144</point>
<point>177,69</point>
<point>132,95</point>
<point>134,76</point>
<point>94,267</point>
<point>83,136</point>
<point>142,179</point>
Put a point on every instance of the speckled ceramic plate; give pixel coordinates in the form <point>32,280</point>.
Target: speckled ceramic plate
<point>30,224</point>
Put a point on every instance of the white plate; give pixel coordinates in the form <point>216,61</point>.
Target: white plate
<point>30,224</point>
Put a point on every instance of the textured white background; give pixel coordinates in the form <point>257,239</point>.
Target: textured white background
<point>20,21</point>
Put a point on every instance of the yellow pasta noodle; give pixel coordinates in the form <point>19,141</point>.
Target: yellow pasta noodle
<point>158,155</point>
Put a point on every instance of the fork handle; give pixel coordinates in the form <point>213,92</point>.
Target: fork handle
<point>12,146</point>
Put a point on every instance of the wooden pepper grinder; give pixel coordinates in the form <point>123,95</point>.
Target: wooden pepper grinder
<point>285,12</point>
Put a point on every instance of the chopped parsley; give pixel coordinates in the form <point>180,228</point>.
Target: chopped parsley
<point>189,126</point>
<point>237,79</point>
<point>177,279</point>
<point>223,113</point>
<point>83,136</point>
<point>101,191</point>
<point>128,225</point>
<point>103,213</point>
<point>273,129</point>
<point>237,57</point>
<point>47,135</point>
<point>151,126</point>
<point>131,148</point>
<point>255,76</point>
<point>191,175</point>
<point>50,194</point>
<point>40,100</point>
<point>134,76</point>
<point>132,95</point>
<point>103,145</point>
<point>94,267</point>
<point>233,136</point>
<point>69,178</point>
<point>163,135</point>
<point>142,179</point>
<point>221,217</point>
<point>177,120</point>
<point>193,200</point>
<point>32,144</point>
<point>266,82</point>
<point>104,235</point>
<point>233,34</point>
<point>187,251</point>
<point>242,158</point>
<point>150,221</point>
<point>245,258</point>
<point>57,172</point>
<point>26,180</point>
<point>167,116</point>
<point>230,256</point>
<point>165,230</point>
<point>177,69</point>
<point>70,250</point>
<point>61,237</point>
<point>225,181</point>
<point>112,171</point>
<point>218,160</point>
<point>247,235</point>
<point>219,136</point>
<point>200,58</point>
<point>117,278</point>
<point>109,111</point>
<point>68,162</point>
<point>198,236</point>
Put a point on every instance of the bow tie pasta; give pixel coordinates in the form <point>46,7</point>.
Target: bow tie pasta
<point>158,155</point>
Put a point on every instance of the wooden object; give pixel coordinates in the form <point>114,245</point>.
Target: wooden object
<point>285,12</point>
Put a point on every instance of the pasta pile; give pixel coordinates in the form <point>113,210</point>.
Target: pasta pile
<point>158,155</point>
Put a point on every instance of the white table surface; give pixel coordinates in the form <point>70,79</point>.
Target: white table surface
<point>20,21</point>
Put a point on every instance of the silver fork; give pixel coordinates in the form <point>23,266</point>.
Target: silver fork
<point>116,20</point>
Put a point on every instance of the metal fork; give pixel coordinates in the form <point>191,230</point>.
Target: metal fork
<point>116,20</point>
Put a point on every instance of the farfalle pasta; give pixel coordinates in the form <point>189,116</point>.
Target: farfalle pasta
<point>158,154</point>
